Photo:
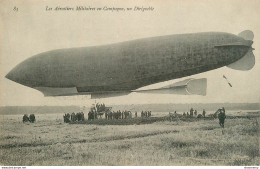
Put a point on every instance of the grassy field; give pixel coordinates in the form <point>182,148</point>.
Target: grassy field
<point>49,141</point>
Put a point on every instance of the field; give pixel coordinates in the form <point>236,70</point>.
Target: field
<point>49,141</point>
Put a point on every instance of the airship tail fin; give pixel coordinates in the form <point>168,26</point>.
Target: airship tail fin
<point>245,63</point>
<point>185,87</point>
<point>247,35</point>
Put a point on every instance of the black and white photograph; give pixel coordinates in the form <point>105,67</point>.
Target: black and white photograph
<point>130,83</point>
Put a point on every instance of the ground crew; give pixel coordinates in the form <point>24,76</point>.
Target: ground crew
<point>222,117</point>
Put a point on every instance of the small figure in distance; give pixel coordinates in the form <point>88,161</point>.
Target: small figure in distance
<point>191,112</point>
<point>66,118</point>
<point>25,118</point>
<point>195,113</point>
<point>204,113</point>
<point>175,114</point>
<point>32,118</point>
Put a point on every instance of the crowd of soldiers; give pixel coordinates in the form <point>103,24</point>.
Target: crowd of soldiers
<point>111,115</point>
<point>190,114</point>
<point>220,114</point>
<point>30,118</point>
<point>118,115</point>
<point>73,117</point>
<point>194,113</point>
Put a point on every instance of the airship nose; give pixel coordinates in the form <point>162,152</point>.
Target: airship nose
<point>23,73</point>
<point>17,75</point>
<point>10,76</point>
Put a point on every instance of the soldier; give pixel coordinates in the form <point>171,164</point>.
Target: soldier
<point>122,113</point>
<point>135,114</point>
<point>175,114</point>
<point>25,118</point>
<point>222,117</point>
<point>77,117</point>
<point>92,117</point>
<point>32,118</point>
<point>149,113</point>
<point>114,115</point>
<point>204,113</point>
<point>118,115</point>
<point>126,113</point>
<point>73,117</point>
<point>195,112</point>
<point>95,115</point>
<point>66,118</point>
<point>89,115</point>
<point>191,112</point>
<point>82,116</point>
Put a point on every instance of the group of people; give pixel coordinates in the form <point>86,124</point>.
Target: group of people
<point>118,115</point>
<point>220,114</point>
<point>146,114</point>
<point>73,117</point>
<point>30,118</point>
<point>192,113</point>
<point>110,115</point>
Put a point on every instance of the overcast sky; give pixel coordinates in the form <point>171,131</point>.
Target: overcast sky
<point>33,30</point>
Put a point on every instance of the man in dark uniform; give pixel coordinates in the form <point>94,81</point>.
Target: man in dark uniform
<point>25,118</point>
<point>32,118</point>
<point>222,117</point>
<point>204,113</point>
<point>89,115</point>
<point>122,114</point>
<point>191,112</point>
<point>95,115</point>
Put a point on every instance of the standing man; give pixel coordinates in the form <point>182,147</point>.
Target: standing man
<point>191,112</point>
<point>204,113</point>
<point>221,118</point>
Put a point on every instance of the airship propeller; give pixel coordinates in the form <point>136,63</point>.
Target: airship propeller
<point>227,80</point>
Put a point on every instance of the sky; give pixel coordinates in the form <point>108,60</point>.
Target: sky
<point>32,30</point>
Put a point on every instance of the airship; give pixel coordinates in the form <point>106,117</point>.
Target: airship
<point>122,68</point>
